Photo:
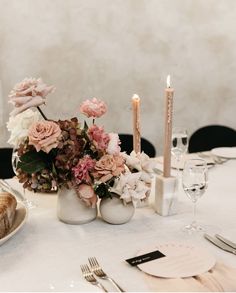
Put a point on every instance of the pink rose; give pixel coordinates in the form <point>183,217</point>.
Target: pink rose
<point>82,169</point>
<point>93,108</point>
<point>107,167</point>
<point>31,92</point>
<point>44,135</point>
<point>113,147</point>
<point>98,136</point>
<point>87,195</point>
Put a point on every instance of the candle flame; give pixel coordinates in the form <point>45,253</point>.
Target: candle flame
<point>135,97</point>
<point>168,81</point>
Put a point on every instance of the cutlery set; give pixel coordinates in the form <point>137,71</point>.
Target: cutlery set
<point>94,271</point>
<point>222,243</point>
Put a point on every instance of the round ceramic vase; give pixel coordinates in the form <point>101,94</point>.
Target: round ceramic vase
<point>72,210</point>
<point>113,211</point>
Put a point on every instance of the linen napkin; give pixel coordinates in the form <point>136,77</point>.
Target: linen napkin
<point>220,278</point>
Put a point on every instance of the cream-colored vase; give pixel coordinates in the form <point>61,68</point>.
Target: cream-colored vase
<point>72,210</point>
<point>113,211</point>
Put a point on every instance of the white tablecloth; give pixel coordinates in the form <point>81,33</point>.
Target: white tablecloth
<point>45,255</point>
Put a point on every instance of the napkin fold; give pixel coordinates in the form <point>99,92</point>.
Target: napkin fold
<point>220,278</point>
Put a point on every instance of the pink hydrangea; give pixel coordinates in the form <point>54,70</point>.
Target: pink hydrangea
<point>98,136</point>
<point>82,169</point>
<point>94,108</point>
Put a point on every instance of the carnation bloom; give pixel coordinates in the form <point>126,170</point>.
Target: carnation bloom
<point>82,169</point>
<point>113,147</point>
<point>107,167</point>
<point>31,92</point>
<point>98,136</point>
<point>44,135</point>
<point>87,195</point>
<point>19,126</point>
<point>93,108</point>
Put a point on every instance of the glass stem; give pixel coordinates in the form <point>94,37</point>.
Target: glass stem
<point>194,213</point>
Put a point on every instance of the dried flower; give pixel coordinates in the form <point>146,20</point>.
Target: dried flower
<point>82,169</point>
<point>44,135</point>
<point>94,108</point>
<point>98,136</point>
<point>31,92</point>
<point>107,167</point>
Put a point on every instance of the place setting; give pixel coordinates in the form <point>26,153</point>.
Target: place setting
<point>117,146</point>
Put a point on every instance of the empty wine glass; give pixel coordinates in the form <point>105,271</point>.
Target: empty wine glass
<point>179,145</point>
<point>15,159</point>
<point>195,181</point>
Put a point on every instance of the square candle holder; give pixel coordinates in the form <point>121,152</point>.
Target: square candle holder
<point>166,195</point>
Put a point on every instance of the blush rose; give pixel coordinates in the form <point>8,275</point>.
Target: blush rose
<point>44,135</point>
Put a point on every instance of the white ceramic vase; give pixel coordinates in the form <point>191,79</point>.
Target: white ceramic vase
<point>72,210</point>
<point>113,211</point>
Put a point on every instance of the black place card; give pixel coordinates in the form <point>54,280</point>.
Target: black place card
<point>134,261</point>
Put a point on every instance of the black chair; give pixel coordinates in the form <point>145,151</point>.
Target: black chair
<point>127,145</point>
<point>209,137</point>
<point>6,170</point>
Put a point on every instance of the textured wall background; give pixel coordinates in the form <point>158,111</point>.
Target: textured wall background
<point>114,48</point>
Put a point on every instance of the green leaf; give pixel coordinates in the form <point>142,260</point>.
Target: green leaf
<point>102,191</point>
<point>32,162</point>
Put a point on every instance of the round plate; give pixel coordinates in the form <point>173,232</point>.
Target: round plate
<point>19,220</point>
<point>180,165</point>
<point>180,261</point>
<point>226,152</point>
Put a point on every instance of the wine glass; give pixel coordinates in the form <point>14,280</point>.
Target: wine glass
<point>15,159</point>
<point>195,182</point>
<point>179,144</point>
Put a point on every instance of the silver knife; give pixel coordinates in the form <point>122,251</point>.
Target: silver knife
<point>228,242</point>
<point>220,244</point>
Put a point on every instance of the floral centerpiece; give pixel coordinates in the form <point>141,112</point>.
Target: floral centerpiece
<point>71,154</point>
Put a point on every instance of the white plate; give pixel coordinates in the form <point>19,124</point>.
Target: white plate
<point>19,220</point>
<point>180,261</point>
<point>175,164</point>
<point>225,152</point>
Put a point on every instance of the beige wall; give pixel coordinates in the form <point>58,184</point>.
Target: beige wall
<point>114,48</point>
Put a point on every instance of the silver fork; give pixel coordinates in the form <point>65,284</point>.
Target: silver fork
<point>88,275</point>
<point>98,271</point>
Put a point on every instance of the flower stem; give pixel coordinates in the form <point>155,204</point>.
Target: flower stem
<point>41,112</point>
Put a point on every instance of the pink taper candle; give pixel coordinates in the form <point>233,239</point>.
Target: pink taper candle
<point>136,124</point>
<point>169,93</point>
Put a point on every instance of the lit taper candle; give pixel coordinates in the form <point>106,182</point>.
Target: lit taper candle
<point>136,124</point>
<point>169,93</point>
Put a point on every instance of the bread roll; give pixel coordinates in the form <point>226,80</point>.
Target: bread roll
<point>7,212</point>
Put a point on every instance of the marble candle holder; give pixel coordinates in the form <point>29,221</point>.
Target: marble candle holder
<point>166,195</point>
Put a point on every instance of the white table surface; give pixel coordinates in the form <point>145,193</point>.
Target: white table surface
<point>45,255</point>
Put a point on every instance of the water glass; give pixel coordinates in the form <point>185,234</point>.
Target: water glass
<point>195,182</point>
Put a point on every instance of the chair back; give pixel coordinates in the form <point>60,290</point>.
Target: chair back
<point>6,170</point>
<point>211,136</point>
<point>127,145</point>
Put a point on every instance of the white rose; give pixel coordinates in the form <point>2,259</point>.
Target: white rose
<point>19,125</point>
<point>113,147</point>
